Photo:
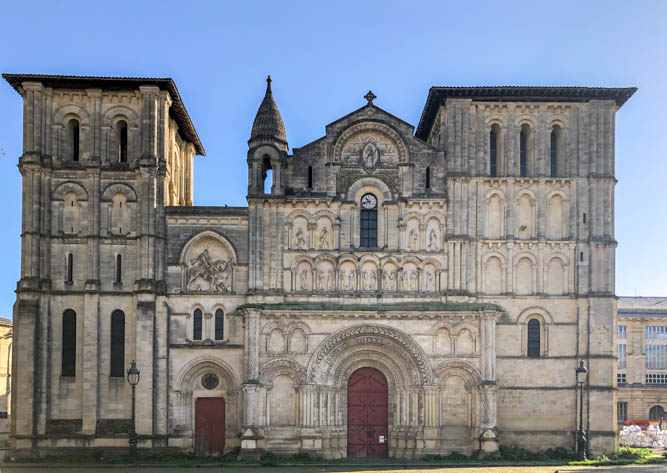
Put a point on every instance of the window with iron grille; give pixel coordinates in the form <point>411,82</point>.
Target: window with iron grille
<point>368,229</point>
<point>621,356</point>
<point>656,332</point>
<point>656,378</point>
<point>533,338</point>
<point>622,411</point>
<point>621,378</point>
<point>523,158</point>
<point>493,153</point>
<point>656,357</point>
<point>656,413</point>
<point>620,332</point>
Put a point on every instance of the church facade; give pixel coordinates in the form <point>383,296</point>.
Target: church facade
<point>398,291</point>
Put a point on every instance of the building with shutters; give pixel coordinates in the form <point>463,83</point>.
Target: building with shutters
<point>393,291</point>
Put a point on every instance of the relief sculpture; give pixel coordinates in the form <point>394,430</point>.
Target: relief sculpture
<point>208,275</point>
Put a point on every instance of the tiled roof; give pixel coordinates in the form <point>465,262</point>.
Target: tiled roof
<point>268,125</point>
<point>177,111</point>
<point>438,95</point>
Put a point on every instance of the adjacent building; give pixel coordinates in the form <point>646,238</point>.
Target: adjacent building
<point>642,358</point>
<point>387,291</point>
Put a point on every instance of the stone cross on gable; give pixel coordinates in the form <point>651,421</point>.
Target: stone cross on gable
<point>370,96</point>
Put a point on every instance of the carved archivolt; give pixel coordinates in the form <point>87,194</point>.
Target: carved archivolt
<point>398,345</point>
<point>119,188</point>
<point>282,366</point>
<point>355,143</point>
<point>67,187</point>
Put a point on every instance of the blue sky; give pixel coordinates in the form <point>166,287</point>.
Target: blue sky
<point>324,56</point>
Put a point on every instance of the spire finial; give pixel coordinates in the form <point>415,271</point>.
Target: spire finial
<point>370,96</point>
<point>268,82</point>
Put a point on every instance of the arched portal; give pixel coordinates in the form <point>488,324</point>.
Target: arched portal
<point>367,413</point>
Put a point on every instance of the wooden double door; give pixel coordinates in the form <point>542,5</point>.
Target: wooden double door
<point>367,414</point>
<point>209,426</point>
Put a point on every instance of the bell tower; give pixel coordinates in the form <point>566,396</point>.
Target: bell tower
<point>267,148</point>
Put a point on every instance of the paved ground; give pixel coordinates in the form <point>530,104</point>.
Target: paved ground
<point>307,469</point>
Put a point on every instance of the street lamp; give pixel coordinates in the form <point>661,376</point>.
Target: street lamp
<point>133,375</point>
<point>582,373</point>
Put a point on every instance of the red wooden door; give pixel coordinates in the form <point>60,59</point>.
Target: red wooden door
<point>209,426</point>
<point>367,425</point>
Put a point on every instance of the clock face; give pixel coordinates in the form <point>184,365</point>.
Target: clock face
<point>369,201</point>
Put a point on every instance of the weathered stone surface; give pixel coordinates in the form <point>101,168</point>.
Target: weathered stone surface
<point>283,300</point>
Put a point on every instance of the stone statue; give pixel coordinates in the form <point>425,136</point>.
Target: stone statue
<point>343,279</point>
<point>429,281</point>
<point>324,238</point>
<point>320,281</point>
<point>373,281</point>
<point>329,280</point>
<point>413,281</point>
<point>352,285</point>
<point>300,239</point>
<point>433,240</point>
<point>303,276</point>
<point>414,239</point>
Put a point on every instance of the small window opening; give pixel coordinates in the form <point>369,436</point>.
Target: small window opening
<point>197,325</point>
<point>122,142</point>
<point>493,153</point>
<point>74,139</point>
<point>70,266</point>
<point>581,256</point>
<point>584,217</point>
<point>533,338</point>
<point>117,358</point>
<point>219,324</point>
<point>428,178</point>
<point>267,175</point>
<point>523,151</point>
<point>554,151</point>
<point>119,261</point>
<point>68,354</point>
<point>310,177</point>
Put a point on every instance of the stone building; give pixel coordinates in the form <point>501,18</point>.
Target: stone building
<point>397,292</point>
<point>5,379</point>
<point>642,358</point>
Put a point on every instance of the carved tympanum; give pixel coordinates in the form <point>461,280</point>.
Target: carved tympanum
<point>207,274</point>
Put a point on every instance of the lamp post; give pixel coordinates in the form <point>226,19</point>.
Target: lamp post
<point>582,373</point>
<point>133,375</point>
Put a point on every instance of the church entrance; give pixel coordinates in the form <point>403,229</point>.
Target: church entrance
<point>367,425</point>
<point>209,426</point>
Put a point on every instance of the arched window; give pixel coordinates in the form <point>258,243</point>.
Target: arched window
<point>427,185</point>
<point>68,358</point>
<point>368,229</point>
<point>122,141</point>
<point>70,268</point>
<point>524,150</point>
<point>533,338</point>
<point>656,413</point>
<point>267,175</point>
<point>119,268</point>
<point>196,325</point>
<point>73,127</point>
<point>493,151</point>
<point>219,324</point>
<point>554,151</point>
<point>117,344</point>
<point>310,177</point>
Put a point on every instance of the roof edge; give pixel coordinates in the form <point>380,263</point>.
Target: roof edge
<point>177,110</point>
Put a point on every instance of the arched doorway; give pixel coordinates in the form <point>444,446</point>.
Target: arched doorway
<point>209,426</point>
<point>367,414</point>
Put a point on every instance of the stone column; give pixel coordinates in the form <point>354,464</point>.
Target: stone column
<point>488,438</point>
<point>251,388</point>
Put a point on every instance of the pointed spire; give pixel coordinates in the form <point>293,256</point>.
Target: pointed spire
<point>268,127</point>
